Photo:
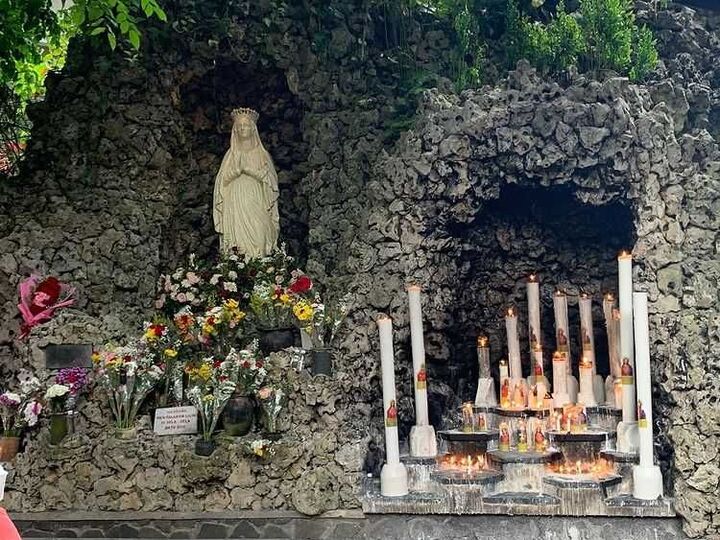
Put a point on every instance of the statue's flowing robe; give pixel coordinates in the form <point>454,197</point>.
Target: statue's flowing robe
<point>245,209</point>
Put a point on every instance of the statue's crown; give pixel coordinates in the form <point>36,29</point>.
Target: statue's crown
<point>243,111</point>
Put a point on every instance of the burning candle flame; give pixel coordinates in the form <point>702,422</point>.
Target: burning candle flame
<point>510,312</point>
<point>532,278</point>
<point>482,341</point>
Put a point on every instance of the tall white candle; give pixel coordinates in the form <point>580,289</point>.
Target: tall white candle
<point>587,394</point>
<point>647,478</point>
<point>560,394</point>
<point>504,372</point>
<point>418,356</point>
<point>642,378</point>
<point>612,324</point>
<point>626,311</point>
<point>513,344</point>
<point>387,363</point>
<point>586,329</point>
<point>483,355</point>
<point>533,299</point>
<point>562,333</point>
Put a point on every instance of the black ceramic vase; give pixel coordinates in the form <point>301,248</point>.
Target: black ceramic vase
<point>238,415</point>
<point>322,362</point>
<point>204,448</point>
<point>277,339</point>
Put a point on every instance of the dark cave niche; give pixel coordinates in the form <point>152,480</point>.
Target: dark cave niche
<point>547,231</point>
<point>206,104</point>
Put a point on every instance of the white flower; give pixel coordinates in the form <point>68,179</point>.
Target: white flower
<point>12,397</point>
<point>190,297</point>
<point>232,274</point>
<point>214,279</point>
<point>231,287</point>
<point>31,412</point>
<point>30,385</point>
<point>56,391</point>
<point>233,257</point>
<point>185,283</point>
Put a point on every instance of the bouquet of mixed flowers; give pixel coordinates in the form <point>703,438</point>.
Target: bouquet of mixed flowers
<point>20,409</point>
<point>126,375</point>
<point>272,400</point>
<point>278,304</point>
<point>162,343</point>
<point>63,393</point>
<point>184,288</point>
<point>251,370</point>
<point>320,321</point>
<point>219,326</point>
<point>40,299</point>
<point>212,382</point>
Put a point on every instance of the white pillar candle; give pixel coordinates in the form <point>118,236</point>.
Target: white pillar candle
<point>537,355</point>
<point>647,478</point>
<point>504,373</point>
<point>418,356</point>
<point>628,392</point>
<point>387,363</point>
<point>533,299</point>
<point>626,312</point>
<point>586,329</point>
<point>560,394</point>
<point>642,379</point>
<point>513,345</point>
<point>562,334</point>
<point>587,394</point>
<point>483,355</point>
<point>612,324</point>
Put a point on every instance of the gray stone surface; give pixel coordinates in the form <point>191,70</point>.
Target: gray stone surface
<point>368,528</point>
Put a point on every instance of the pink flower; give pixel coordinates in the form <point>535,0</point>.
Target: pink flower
<point>181,298</point>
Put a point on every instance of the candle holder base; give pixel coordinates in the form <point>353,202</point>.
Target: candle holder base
<point>647,482</point>
<point>560,400</point>
<point>485,395</point>
<point>393,480</point>
<point>628,438</point>
<point>423,442</point>
<point>599,388</point>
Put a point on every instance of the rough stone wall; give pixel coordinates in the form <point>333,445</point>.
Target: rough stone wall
<point>118,187</point>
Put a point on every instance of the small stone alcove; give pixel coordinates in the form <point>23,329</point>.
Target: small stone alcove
<point>206,103</point>
<point>529,229</point>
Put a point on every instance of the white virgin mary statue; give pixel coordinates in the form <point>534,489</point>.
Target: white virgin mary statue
<point>245,200</point>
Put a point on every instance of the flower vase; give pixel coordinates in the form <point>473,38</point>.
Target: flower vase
<point>321,362</point>
<point>269,414</point>
<point>277,339</point>
<point>59,427</point>
<point>9,447</point>
<point>238,415</point>
<point>204,447</point>
<point>125,434</point>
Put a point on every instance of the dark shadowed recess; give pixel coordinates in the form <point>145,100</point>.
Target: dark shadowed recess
<point>543,230</point>
<point>206,104</point>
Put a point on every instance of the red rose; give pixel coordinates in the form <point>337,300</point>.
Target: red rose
<point>157,329</point>
<point>246,364</point>
<point>301,285</point>
<point>259,364</point>
<point>46,294</point>
<point>216,363</point>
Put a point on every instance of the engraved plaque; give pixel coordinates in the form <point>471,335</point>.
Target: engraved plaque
<point>68,355</point>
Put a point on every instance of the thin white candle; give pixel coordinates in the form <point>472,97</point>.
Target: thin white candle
<point>485,394</point>
<point>586,329</point>
<point>647,479</point>
<point>533,299</point>
<point>504,373</point>
<point>626,311</point>
<point>587,394</point>
<point>418,356</point>
<point>560,395</point>
<point>513,345</point>
<point>483,355</point>
<point>562,334</point>
<point>387,362</point>
<point>393,478</point>
<point>612,324</point>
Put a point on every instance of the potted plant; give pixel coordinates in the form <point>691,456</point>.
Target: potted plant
<point>240,409</point>
<point>126,375</point>
<point>321,323</point>
<point>212,382</point>
<point>18,410</point>
<point>271,306</point>
<point>61,398</point>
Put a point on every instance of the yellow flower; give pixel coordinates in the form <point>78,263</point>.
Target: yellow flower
<point>208,398</point>
<point>285,298</point>
<point>170,353</point>
<point>303,311</point>
<point>150,334</point>
<point>258,451</point>
<point>95,357</point>
<point>231,304</point>
<point>209,329</point>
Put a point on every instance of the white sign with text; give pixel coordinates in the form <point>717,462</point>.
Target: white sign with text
<point>176,421</point>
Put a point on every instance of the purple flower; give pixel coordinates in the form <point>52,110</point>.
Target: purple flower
<point>75,378</point>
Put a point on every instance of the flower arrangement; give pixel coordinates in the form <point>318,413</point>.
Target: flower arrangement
<point>275,305</point>
<point>261,447</point>
<point>212,382</point>
<point>163,343</point>
<point>272,400</point>
<point>21,409</point>
<point>319,321</point>
<point>40,299</point>
<point>126,375</point>
<point>74,378</point>
<point>219,326</point>
<point>250,370</point>
<point>69,384</point>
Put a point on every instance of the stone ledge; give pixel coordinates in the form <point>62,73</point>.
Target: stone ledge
<point>59,516</point>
